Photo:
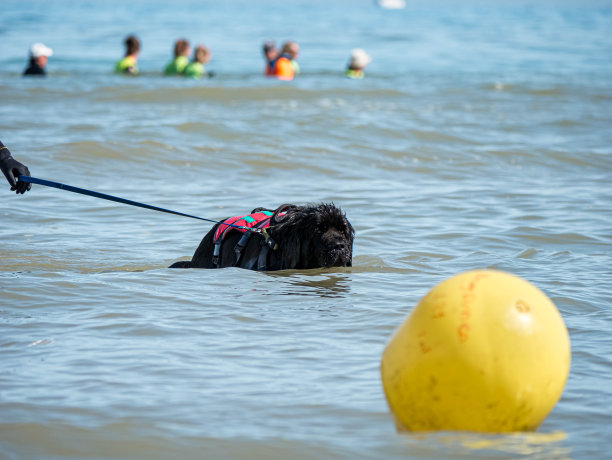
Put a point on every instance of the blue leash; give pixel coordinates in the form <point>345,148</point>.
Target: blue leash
<point>104,196</point>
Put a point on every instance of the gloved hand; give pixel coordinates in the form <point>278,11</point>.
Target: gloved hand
<point>13,169</point>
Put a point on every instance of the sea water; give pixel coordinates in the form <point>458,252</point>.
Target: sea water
<point>480,138</point>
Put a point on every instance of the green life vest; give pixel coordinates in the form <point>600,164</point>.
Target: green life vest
<point>176,66</point>
<point>295,65</point>
<point>195,70</point>
<point>127,65</point>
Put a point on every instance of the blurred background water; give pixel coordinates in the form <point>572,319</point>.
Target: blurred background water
<point>480,138</point>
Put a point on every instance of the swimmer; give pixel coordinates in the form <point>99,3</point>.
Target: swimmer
<point>357,64</point>
<point>181,60</point>
<point>129,64</point>
<point>270,53</point>
<point>39,55</point>
<point>195,69</point>
<point>12,169</point>
<point>286,66</point>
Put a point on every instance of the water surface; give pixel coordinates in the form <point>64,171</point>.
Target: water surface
<point>479,139</point>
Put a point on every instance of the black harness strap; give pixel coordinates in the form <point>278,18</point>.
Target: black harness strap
<point>262,260</point>
<point>266,243</point>
<point>240,246</point>
<point>216,254</point>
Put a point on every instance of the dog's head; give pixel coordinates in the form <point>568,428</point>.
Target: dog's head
<point>313,237</point>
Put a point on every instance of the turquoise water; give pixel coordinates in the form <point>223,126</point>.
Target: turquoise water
<point>480,138</point>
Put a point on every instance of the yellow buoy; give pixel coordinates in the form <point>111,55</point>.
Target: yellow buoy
<point>482,351</point>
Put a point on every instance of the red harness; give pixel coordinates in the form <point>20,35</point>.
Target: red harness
<point>244,224</point>
<point>257,219</point>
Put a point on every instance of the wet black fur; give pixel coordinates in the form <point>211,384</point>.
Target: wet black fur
<point>317,236</point>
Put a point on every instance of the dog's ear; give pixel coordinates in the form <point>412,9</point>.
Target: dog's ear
<point>293,232</point>
<point>291,247</point>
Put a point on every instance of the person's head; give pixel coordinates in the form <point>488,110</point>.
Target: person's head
<point>202,54</point>
<point>359,59</point>
<point>269,50</point>
<point>132,45</point>
<point>291,49</point>
<point>40,53</point>
<point>181,48</point>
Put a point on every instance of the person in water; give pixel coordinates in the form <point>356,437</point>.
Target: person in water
<point>285,66</point>
<point>201,57</point>
<point>270,53</point>
<point>181,59</point>
<point>12,169</point>
<point>129,64</point>
<point>357,64</point>
<point>37,65</point>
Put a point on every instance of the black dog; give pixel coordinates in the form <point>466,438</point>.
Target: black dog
<point>299,237</point>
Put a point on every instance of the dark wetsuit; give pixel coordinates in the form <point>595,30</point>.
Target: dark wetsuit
<point>34,69</point>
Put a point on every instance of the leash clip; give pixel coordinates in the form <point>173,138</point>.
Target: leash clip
<point>268,239</point>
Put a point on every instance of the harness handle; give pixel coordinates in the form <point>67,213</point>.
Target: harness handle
<point>276,218</point>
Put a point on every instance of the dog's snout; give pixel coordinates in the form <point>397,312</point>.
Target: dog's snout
<point>339,245</point>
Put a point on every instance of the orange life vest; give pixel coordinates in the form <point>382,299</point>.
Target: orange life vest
<point>283,69</point>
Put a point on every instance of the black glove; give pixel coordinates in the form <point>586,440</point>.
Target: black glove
<point>13,169</point>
